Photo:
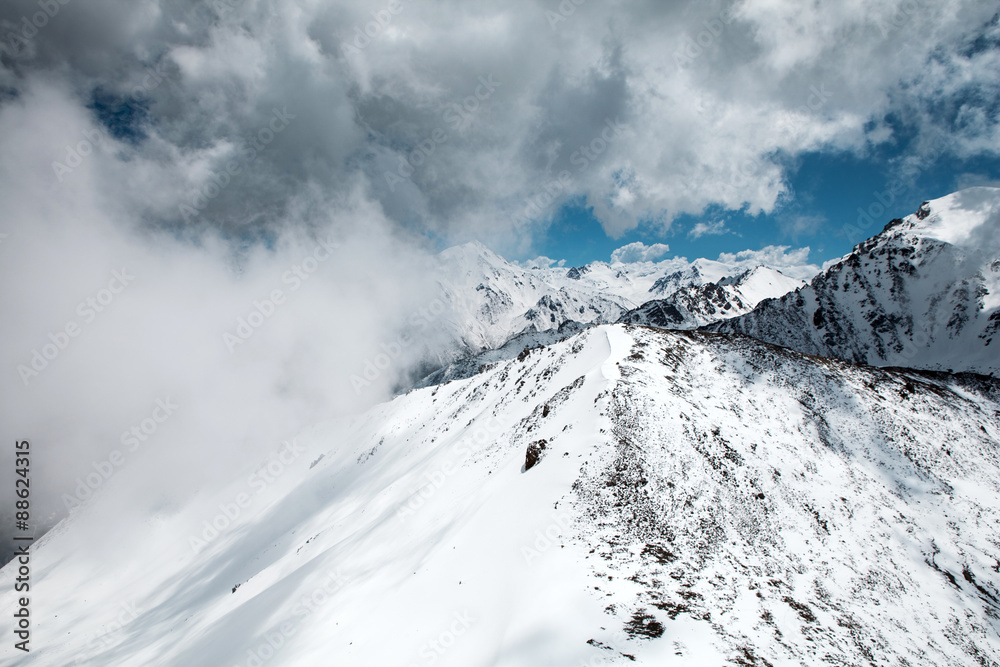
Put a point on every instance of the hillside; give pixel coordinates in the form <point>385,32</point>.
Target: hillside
<point>923,293</point>
<point>626,496</point>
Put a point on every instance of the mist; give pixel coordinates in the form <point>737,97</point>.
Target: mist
<point>187,355</point>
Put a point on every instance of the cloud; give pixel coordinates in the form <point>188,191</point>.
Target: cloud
<point>541,262</point>
<point>794,263</point>
<point>639,252</point>
<point>716,228</point>
<point>489,118</point>
<point>251,341</point>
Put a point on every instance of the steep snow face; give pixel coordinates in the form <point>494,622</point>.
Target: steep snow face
<point>626,496</point>
<point>761,283</point>
<point>696,305</point>
<point>923,293</point>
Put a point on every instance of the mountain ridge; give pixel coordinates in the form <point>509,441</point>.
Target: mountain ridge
<point>627,495</point>
<point>923,292</point>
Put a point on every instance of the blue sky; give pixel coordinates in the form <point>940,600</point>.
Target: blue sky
<point>826,191</point>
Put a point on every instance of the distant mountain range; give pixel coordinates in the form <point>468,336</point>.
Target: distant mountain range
<point>692,306</point>
<point>924,293</point>
<point>493,300</point>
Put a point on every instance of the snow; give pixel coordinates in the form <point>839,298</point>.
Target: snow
<point>764,283</point>
<point>698,498</point>
<point>964,218</point>
<point>492,300</point>
<point>419,538</point>
<point>923,293</point>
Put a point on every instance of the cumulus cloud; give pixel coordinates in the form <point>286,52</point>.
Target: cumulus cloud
<point>639,252</point>
<point>791,262</point>
<point>488,118</point>
<point>541,262</point>
<point>716,228</point>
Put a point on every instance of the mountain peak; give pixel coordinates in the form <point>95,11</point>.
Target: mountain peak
<point>968,218</point>
<point>925,292</point>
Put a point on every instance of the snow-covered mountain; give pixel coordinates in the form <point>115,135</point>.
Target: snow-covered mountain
<point>626,496</point>
<point>696,305</point>
<point>923,293</point>
<point>493,300</point>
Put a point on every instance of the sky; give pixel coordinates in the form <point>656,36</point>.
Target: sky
<point>173,172</point>
<point>824,213</point>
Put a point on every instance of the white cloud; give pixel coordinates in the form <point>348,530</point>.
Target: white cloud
<point>716,228</point>
<point>162,335</point>
<point>648,112</point>
<point>794,263</point>
<point>541,262</point>
<point>639,252</point>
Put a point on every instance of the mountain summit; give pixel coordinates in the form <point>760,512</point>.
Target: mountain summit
<point>923,293</point>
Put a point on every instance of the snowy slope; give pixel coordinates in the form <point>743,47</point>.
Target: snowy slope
<point>626,496</point>
<point>923,293</point>
<point>697,305</point>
